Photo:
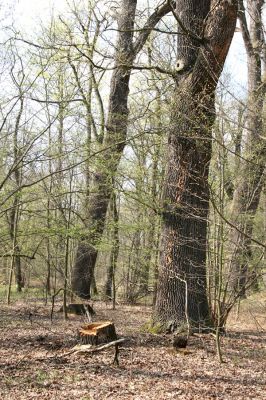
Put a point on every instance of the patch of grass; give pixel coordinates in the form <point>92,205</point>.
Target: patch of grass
<point>72,378</point>
<point>8,380</point>
<point>32,292</point>
<point>41,376</point>
<point>151,327</point>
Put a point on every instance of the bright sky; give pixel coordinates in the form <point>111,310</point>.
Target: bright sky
<point>29,13</point>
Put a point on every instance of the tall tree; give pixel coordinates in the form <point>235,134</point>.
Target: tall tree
<point>249,184</point>
<point>15,210</point>
<point>205,32</point>
<point>114,141</point>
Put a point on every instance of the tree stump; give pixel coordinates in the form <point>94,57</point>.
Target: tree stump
<point>79,309</point>
<point>97,333</point>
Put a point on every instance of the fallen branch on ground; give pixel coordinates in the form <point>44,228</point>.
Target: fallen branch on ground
<point>88,348</point>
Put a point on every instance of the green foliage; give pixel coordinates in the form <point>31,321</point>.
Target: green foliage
<point>25,294</point>
<point>152,327</point>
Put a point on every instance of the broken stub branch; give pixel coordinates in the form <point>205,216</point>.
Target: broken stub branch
<point>88,348</point>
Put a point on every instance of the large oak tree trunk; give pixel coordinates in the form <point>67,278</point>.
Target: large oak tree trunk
<point>115,139</point>
<point>249,185</point>
<point>206,30</point>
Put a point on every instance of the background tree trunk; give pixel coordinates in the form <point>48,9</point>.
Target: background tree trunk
<point>115,140</point>
<point>15,211</point>
<point>250,181</point>
<point>110,281</point>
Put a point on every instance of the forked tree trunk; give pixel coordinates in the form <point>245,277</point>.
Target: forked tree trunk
<point>251,178</point>
<point>114,143</point>
<point>206,30</point>
<point>115,137</point>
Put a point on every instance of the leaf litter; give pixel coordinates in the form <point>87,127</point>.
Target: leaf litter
<point>33,365</point>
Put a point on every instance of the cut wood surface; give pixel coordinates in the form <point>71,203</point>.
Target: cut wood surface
<point>97,332</point>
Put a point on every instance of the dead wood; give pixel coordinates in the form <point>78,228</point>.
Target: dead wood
<point>79,309</point>
<point>97,332</point>
<point>79,349</point>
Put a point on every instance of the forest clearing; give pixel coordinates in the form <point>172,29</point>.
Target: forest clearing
<point>33,365</point>
<point>132,184</point>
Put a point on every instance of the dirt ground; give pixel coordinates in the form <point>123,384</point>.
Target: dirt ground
<point>32,365</point>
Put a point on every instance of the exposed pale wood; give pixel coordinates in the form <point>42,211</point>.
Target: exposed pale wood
<point>78,349</point>
<point>97,332</point>
<point>89,349</point>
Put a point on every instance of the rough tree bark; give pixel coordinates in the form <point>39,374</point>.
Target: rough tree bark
<point>115,139</point>
<point>110,281</point>
<point>249,185</point>
<point>206,30</point>
<point>116,134</point>
<point>15,210</point>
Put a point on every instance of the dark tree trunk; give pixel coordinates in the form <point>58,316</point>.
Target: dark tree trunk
<point>109,286</point>
<point>249,185</point>
<point>48,244</point>
<point>15,211</point>
<point>114,143</point>
<point>94,289</point>
<point>182,276</point>
<point>150,257</point>
<point>181,293</point>
<point>16,248</point>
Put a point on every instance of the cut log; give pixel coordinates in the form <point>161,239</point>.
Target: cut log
<point>97,333</point>
<point>79,309</point>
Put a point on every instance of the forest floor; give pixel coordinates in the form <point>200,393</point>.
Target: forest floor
<point>32,365</point>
